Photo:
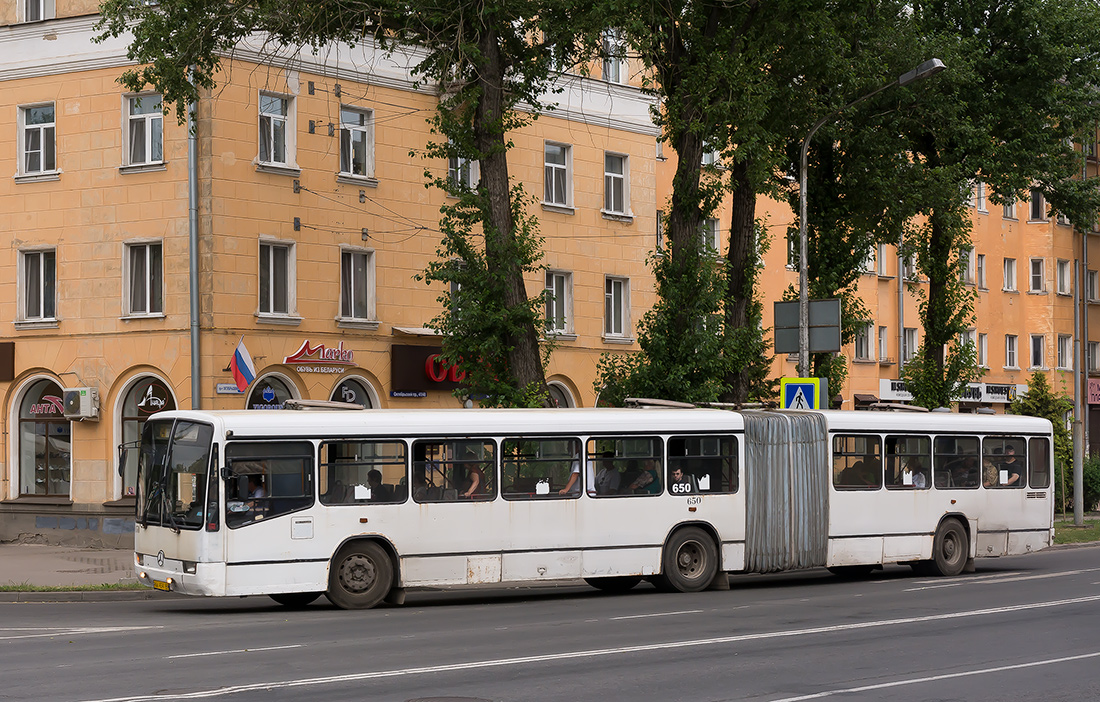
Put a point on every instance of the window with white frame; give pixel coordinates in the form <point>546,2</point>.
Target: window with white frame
<point>37,142</point>
<point>276,278</point>
<point>616,307</point>
<point>614,59</point>
<point>1093,356</point>
<point>1038,351</point>
<point>276,133</point>
<point>1092,286</point>
<point>909,344</point>
<point>144,281</point>
<point>38,286</point>
<point>711,155</point>
<point>909,268</point>
<point>1036,282</point>
<point>982,350</point>
<point>559,302</point>
<point>556,185</point>
<point>880,259</point>
<point>864,342</point>
<point>1063,275</point>
<point>1038,210</point>
<point>1010,351</point>
<point>1065,352</point>
<point>966,266</point>
<point>36,10</point>
<point>979,271</point>
<point>356,142</point>
<point>615,184</point>
<point>1009,274</point>
<point>792,249</point>
<point>357,284</point>
<point>1010,210</point>
<point>869,265</point>
<point>660,229</point>
<point>144,130</point>
<point>979,196</point>
<point>966,337</point>
<point>1063,219</point>
<point>709,233</point>
<point>883,344</point>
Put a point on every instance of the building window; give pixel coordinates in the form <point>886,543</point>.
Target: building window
<point>45,444</point>
<point>1063,274</point>
<point>616,310</point>
<point>615,190</point>
<point>883,344</point>
<point>556,186</point>
<point>144,289</point>
<point>869,264</point>
<point>909,268</point>
<point>1010,210</point>
<point>614,60</point>
<point>1092,286</point>
<point>1038,351</point>
<point>1010,351</point>
<point>1036,280</point>
<point>357,284</point>
<point>966,337</point>
<point>38,139</point>
<point>276,278</point>
<point>979,271</point>
<point>1009,274</point>
<point>144,130</point>
<point>559,303</point>
<point>983,350</point>
<point>146,397</point>
<point>979,196</point>
<point>462,173</point>
<point>39,285</point>
<point>269,392</point>
<point>36,10</point>
<point>966,266</point>
<point>1094,356</point>
<point>1065,352</point>
<point>864,340</point>
<point>1038,212</point>
<point>276,137</point>
<point>880,259</point>
<point>356,142</point>
<point>353,391</point>
<point>909,344</point>
<point>660,229</point>
<point>708,235</point>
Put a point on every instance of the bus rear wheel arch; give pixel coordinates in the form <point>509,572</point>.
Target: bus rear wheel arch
<point>360,575</point>
<point>950,548</point>
<point>689,562</point>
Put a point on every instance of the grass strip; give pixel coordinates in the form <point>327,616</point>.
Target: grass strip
<point>104,587</point>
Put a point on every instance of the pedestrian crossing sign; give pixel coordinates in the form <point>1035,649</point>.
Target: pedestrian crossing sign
<point>800,393</point>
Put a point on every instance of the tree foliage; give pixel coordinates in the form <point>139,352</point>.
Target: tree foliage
<point>1044,401</point>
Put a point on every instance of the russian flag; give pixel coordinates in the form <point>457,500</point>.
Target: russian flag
<point>241,366</point>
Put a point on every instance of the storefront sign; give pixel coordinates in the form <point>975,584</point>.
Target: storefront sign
<point>227,389</point>
<point>152,398</point>
<point>416,369</point>
<point>50,404</point>
<point>1094,391</point>
<point>998,393</point>
<point>320,355</point>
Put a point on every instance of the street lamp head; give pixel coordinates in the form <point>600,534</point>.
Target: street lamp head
<point>928,68</point>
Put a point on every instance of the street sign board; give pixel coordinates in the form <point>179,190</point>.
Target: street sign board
<point>801,393</point>
<point>824,326</point>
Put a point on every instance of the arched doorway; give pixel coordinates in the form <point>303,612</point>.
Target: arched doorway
<point>145,397</point>
<point>45,442</point>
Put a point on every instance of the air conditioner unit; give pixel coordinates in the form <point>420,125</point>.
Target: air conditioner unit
<point>81,403</point>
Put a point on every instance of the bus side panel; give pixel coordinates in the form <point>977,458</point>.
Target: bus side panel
<point>733,557</point>
<point>545,565</point>
<point>433,570</point>
<point>259,579</point>
<point>855,551</point>
<point>622,561</point>
<point>1028,541</point>
<point>906,547</point>
<point>991,543</point>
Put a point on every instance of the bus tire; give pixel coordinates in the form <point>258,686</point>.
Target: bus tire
<point>617,583</point>
<point>360,576</point>
<point>295,600</point>
<point>851,572</point>
<point>689,563</point>
<point>950,548</point>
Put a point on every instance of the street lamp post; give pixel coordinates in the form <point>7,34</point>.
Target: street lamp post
<point>928,68</point>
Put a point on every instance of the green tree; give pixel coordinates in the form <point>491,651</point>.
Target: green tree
<point>1043,401</point>
<point>485,59</point>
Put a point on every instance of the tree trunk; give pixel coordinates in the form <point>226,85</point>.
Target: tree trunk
<point>741,257</point>
<point>524,361</point>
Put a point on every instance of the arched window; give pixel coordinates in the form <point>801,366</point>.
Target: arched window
<point>146,396</point>
<point>269,392</point>
<point>560,395</point>
<point>352,390</point>
<point>45,445</point>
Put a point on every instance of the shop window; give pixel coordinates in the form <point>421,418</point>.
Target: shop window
<point>353,391</point>
<point>45,445</point>
<point>269,393</point>
<point>146,397</point>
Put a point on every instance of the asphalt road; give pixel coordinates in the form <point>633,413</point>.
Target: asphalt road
<point>1021,628</point>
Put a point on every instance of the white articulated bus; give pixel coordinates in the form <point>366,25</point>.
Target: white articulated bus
<point>362,504</point>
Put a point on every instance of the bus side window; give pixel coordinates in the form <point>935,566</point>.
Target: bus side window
<point>908,462</point>
<point>1003,462</point>
<point>857,462</point>
<point>359,472</point>
<point>453,470</point>
<point>537,469</point>
<point>286,468</point>
<point>956,464</point>
<point>702,464</point>
<point>1039,463</point>
<point>623,465</point>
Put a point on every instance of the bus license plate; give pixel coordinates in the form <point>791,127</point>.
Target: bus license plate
<point>160,585</point>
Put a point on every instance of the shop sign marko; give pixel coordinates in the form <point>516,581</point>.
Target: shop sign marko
<point>320,358</point>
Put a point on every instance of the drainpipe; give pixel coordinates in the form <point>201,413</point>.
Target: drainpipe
<point>193,250</point>
<point>901,307</point>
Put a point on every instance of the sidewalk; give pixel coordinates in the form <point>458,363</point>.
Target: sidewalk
<point>65,566</point>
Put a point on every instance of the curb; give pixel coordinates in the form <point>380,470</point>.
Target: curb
<point>87,596</point>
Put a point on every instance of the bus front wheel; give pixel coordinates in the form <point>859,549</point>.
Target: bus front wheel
<point>689,563</point>
<point>360,576</point>
<point>950,548</point>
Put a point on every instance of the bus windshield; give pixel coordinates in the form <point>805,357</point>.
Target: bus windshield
<point>172,473</point>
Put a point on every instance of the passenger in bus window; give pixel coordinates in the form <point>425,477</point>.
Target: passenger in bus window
<point>680,484</point>
<point>1010,467</point>
<point>573,485</point>
<point>648,481</point>
<point>989,474</point>
<point>256,487</point>
<point>379,491</point>
<point>915,474</point>
<point>607,479</point>
<point>474,483</point>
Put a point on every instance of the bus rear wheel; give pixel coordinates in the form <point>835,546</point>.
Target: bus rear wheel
<point>617,583</point>
<point>950,548</point>
<point>689,563</point>
<point>295,600</point>
<point>360,576</point>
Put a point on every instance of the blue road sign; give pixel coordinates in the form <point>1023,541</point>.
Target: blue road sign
<point>801,393</point>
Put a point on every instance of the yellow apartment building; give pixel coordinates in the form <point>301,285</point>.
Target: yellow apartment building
<point>304,201</point>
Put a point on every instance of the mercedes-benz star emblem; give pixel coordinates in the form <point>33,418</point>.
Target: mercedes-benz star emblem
<point>160,558</point>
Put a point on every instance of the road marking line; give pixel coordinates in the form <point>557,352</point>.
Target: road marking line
<point>971,581</point>
<point>658,614</point>
<point>934,678</point>
<point>572,655</point>
<point>46,632</point>
<point>235,650</point>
